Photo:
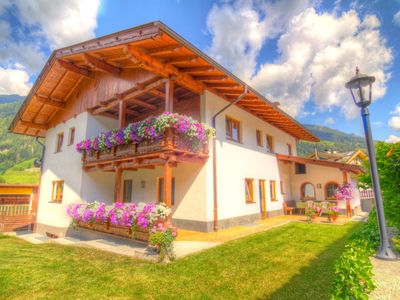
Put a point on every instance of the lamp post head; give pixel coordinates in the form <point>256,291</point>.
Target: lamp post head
<point>360,88</point>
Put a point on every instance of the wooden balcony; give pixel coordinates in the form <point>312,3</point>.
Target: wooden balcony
<point>172,149</point>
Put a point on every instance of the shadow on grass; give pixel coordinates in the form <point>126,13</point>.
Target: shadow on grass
<point>315,281</point>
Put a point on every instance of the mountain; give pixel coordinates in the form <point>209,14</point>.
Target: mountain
<point>331,139</point>
<point>14,148</point>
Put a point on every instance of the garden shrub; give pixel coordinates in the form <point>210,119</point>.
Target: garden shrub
<point>354,269</point>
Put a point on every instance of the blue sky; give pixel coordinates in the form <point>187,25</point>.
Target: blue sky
<point>297,52</point>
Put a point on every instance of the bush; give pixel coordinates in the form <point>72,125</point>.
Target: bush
<point>354,269</point>
<point>162,237</point>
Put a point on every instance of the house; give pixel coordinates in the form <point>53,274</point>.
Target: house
<point>355,157</point>
<point>244,174</point>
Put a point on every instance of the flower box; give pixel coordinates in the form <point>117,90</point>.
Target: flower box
<point>142,234</point>
<point>119,230</point>
<point>103,227</point>
<point>86,225</point>
<point>148,147</point>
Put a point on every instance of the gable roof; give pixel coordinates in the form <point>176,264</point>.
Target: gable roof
<point>153,47</point>
<point>341,157</point>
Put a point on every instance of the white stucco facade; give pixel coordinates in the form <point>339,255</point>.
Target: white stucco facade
<point>194,201</point>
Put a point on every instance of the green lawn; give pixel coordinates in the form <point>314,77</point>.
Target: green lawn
<point>295,261</point>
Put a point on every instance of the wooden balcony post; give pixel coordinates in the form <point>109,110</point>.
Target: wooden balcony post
<point>117,189</point>
<point>121,112</point>
<point>348,206</point>
<point>168,184</point>
<point>169,95</point>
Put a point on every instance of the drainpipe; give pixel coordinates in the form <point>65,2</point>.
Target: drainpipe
<point>43,151</point>
<point>215,156</point>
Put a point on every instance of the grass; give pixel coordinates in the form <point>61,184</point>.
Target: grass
<point>295,261</point>
<point>22,173</point>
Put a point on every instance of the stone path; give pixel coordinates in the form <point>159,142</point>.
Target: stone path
<point>387,279</point>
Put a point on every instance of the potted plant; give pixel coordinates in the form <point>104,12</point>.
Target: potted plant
<point>312,211</point>
<point>162,237</point>
<point>333,214</point>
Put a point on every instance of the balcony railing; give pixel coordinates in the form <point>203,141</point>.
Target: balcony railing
<point>170,145</point>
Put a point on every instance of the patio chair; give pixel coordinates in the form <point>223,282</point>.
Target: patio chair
<point>287,209</point>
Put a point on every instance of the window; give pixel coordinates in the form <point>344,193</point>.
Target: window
<point>282,186</point>
<point>272,190</point>
<point>60,138</point>
<point>259,138</point>
<point>289,149</point>
<point>263,208</point>
<point>249,190</point>
<point>307,191</point>
<point>127,196</point>
<point>160,190</point>
<point>330,189</point>
<point>57,191</point>
<point>270,143</point>
<point>233,130</point>
<point>71,136</point>
<point>300,168</point>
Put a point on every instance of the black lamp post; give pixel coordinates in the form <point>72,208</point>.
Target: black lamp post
<point>360,87</point>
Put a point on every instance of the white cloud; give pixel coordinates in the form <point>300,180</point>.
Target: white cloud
<point>14,81</point>
<point>50,24</point>
<point>240,29</point>
<point>61,22</point>
<point>393,139</point>
<point>394,122</point>
<point>396,18</point>
<point>317,53</point>
<point>330,121</point>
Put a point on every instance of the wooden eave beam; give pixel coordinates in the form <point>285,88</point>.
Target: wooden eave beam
<point>180,59</point>
<point>163,49</point>
<point>210,77</point>
<point>141,103</point>
<point>75,69</point>
<point>50,102</point>
<point>157,93</point>
<point>222,84</point>
<point>33,125</point>
<point>102,65</point>
<point>113,101</point>
<point>154,65</point>
<point>198,69</point>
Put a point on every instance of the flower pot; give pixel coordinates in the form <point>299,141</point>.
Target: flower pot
<point>334,218</point>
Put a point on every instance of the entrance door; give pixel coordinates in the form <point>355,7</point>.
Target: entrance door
<point>263,202</point>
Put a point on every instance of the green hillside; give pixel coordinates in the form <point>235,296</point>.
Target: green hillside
<point>24,172</point>
<point>331,139</point>
<point>14,148</point>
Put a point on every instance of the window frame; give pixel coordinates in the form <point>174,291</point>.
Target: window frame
<point>269,141</point>
<point>302,192</point>
<point>71,136</point>
<point>160,190</point>
<point>59,142</point>
<point>263,197</point>
<point>124,191</point>
<point>56,184</point>
<point>272,190</point>
<point>326,190</point>
<point>229,129</point>
<point>289,149</point>
<point>250,199</point>
<point>259,138</point>
<point>296,169</point>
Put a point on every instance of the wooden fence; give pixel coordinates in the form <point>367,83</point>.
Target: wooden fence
<point>18,205</point>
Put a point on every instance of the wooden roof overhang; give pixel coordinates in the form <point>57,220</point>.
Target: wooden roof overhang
<point>155,48</point>
<point>344,167</point>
